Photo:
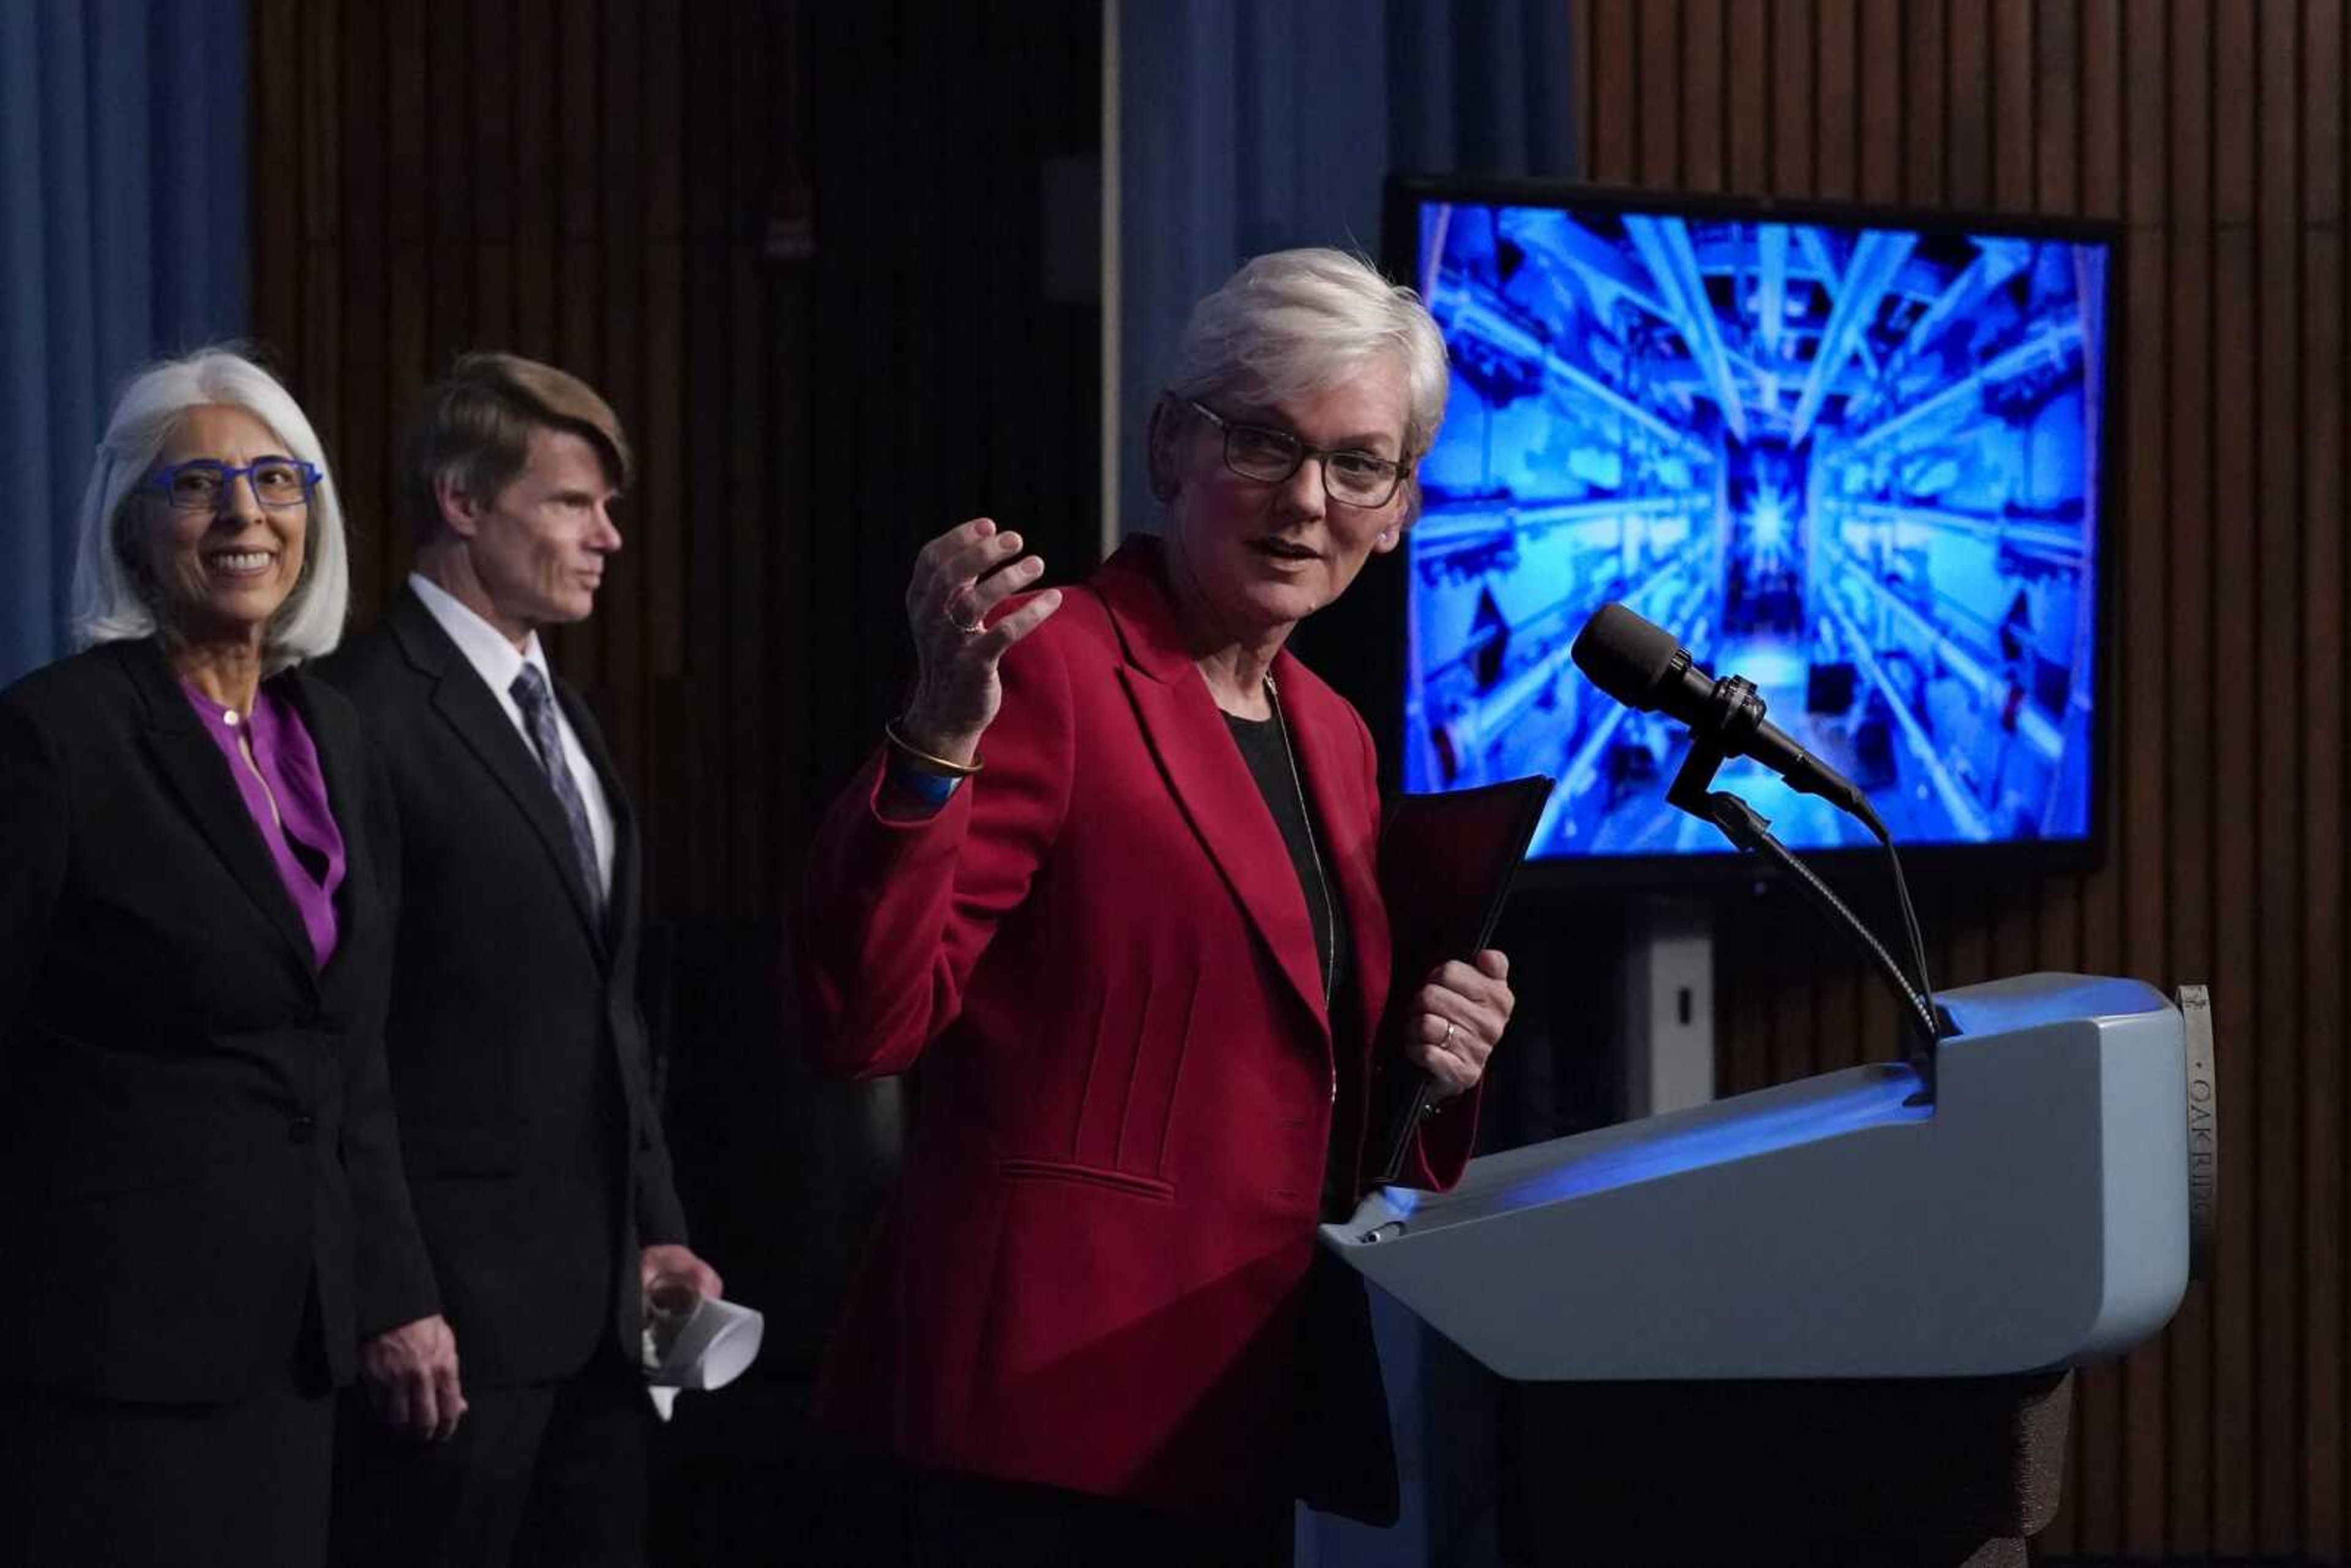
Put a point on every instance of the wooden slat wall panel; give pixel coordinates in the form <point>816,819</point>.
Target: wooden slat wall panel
<point>2321,656</point>
<point>1701,107</point>
<point>1836,100</point>
<point>2227,774</point>
<point>2125,912</point>
<point>2277,862</point>
<point>1661,116</point>
<point>591,183</point>
<point>2214,129</point>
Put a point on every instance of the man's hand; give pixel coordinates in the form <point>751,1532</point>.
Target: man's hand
<point>678,1266</point>
<point>410,1377</point>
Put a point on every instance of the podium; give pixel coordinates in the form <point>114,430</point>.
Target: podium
<point>1823,1322</point>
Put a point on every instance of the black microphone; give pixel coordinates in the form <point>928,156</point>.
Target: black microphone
<point>1640,663</point>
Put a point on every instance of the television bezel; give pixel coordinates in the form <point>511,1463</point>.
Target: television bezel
<point>1366,628</point>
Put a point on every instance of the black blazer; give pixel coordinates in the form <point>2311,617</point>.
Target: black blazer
<point>195,1126</point>
<point>518,1055</point>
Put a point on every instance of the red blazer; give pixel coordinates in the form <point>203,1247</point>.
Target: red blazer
<point>1091,1272</point>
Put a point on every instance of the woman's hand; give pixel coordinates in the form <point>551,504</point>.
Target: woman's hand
<point>959,579</point>
<point>1459,1014</point>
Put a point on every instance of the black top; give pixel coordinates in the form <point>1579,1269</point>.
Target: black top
<point>198,1150</point>
<point>1268,753</point>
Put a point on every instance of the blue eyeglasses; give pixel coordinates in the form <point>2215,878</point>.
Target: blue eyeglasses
<point>201,484</point>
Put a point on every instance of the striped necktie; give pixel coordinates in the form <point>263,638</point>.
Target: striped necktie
<point>530,695</point>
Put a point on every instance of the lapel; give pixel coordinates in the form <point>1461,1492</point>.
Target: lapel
<point>466,703</point>
<point>196,772</point>
<point>1323,731</point>
<point>1204,768</point>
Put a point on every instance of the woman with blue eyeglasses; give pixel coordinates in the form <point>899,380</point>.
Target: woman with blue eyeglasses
<point>201,1209</point>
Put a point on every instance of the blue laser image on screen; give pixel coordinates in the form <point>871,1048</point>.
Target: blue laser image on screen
<point>1856,464</point>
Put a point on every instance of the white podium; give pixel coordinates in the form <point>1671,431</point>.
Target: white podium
<point>1825,1282</point>
<point>2036,1217</point>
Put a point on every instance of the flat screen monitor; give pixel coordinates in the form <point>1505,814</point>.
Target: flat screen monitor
<point>1850,455</point>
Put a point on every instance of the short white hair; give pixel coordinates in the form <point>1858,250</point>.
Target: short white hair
<point>1299,321</point>
<point>110,600</point>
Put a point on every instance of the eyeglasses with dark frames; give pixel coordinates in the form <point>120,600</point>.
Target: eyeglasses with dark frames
<point>202,483</point>
<point>1353,477</point>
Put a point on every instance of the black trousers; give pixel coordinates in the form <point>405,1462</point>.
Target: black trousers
<point>545,1476</point>
<point>86,1481</point>
<point>949,1520</point>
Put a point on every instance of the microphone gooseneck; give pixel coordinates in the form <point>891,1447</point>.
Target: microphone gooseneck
<point>1645,667</point>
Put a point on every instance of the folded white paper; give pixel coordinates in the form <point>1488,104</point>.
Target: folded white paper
<point>710,1349</point>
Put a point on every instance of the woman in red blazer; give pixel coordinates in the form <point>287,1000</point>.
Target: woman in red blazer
<point>1140,953</point>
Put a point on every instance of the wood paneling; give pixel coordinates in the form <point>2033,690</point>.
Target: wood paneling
<point>593,182</point>
<point>2214,129</point>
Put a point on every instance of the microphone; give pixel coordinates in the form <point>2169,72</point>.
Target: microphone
<point>1638,663</point>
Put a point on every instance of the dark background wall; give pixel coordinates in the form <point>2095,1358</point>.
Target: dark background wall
<point>835,267</point>
<point>810,254</point>
<point>2214,129</point>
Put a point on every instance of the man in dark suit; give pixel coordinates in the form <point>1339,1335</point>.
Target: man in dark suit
<point>540,1175</point>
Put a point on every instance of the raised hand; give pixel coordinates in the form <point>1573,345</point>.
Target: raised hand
<point>959,579</point>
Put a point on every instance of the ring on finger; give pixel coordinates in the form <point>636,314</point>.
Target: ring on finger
<point>1450,1029</point>
<point>971,628</point>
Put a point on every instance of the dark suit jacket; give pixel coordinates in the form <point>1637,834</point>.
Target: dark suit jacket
<point>518,1054</point>
<point>1094,1271</point>
<point>195,1128</point>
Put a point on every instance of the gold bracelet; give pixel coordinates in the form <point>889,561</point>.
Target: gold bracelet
<point>925,760</point>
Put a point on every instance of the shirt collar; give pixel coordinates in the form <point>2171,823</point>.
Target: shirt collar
<point>494,658</point>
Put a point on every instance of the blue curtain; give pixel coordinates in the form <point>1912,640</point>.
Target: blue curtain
<point>1252,125</point>
<point>122,237</point>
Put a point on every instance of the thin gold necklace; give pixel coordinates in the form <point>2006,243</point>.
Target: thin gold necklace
<point>1321,879</point>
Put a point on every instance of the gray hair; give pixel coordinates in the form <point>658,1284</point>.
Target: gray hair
<point>110,598</point>
<point>1298,321</point>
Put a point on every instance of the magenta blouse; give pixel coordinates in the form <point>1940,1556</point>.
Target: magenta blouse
<point>304,842</point>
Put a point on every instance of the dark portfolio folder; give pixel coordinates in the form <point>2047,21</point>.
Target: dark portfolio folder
<point>1446,865</point>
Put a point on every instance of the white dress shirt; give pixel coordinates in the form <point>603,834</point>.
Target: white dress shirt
<point>495,660</point>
